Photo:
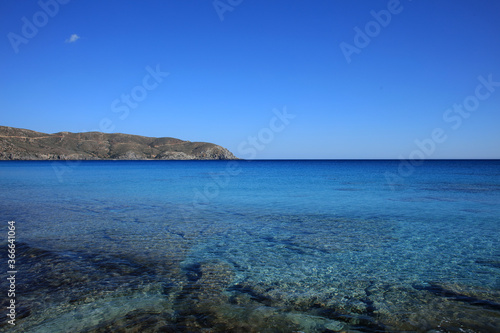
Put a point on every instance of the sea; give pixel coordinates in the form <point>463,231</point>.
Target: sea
<point>250,246</point>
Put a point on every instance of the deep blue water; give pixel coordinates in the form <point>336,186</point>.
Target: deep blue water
<point>254,246</point>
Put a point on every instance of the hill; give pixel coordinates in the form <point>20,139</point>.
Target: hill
<point>23,144</point>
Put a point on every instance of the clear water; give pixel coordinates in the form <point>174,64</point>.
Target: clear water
<point>253,246</point>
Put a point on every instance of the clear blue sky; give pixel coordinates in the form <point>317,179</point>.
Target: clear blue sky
<point>226,76</point>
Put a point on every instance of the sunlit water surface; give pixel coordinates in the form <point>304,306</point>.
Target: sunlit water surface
<point>253,246</point>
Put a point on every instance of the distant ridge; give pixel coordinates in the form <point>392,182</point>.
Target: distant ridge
<point>23,144</point>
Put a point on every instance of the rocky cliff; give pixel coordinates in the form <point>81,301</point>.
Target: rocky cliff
<point>22,144</point>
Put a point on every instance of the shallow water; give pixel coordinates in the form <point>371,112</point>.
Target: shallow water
<point>253,246</point>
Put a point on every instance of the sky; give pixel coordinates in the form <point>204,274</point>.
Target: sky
<point>283,79</point>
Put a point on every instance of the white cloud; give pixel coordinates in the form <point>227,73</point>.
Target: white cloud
<point>73,38</point>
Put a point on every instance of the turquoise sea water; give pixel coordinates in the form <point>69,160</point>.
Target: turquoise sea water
<point>253,246</point>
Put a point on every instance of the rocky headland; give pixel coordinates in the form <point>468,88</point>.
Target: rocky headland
<point>23,144</point>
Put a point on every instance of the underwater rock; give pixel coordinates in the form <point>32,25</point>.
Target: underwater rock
<point>215,277</point>
<point>68,285</point>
